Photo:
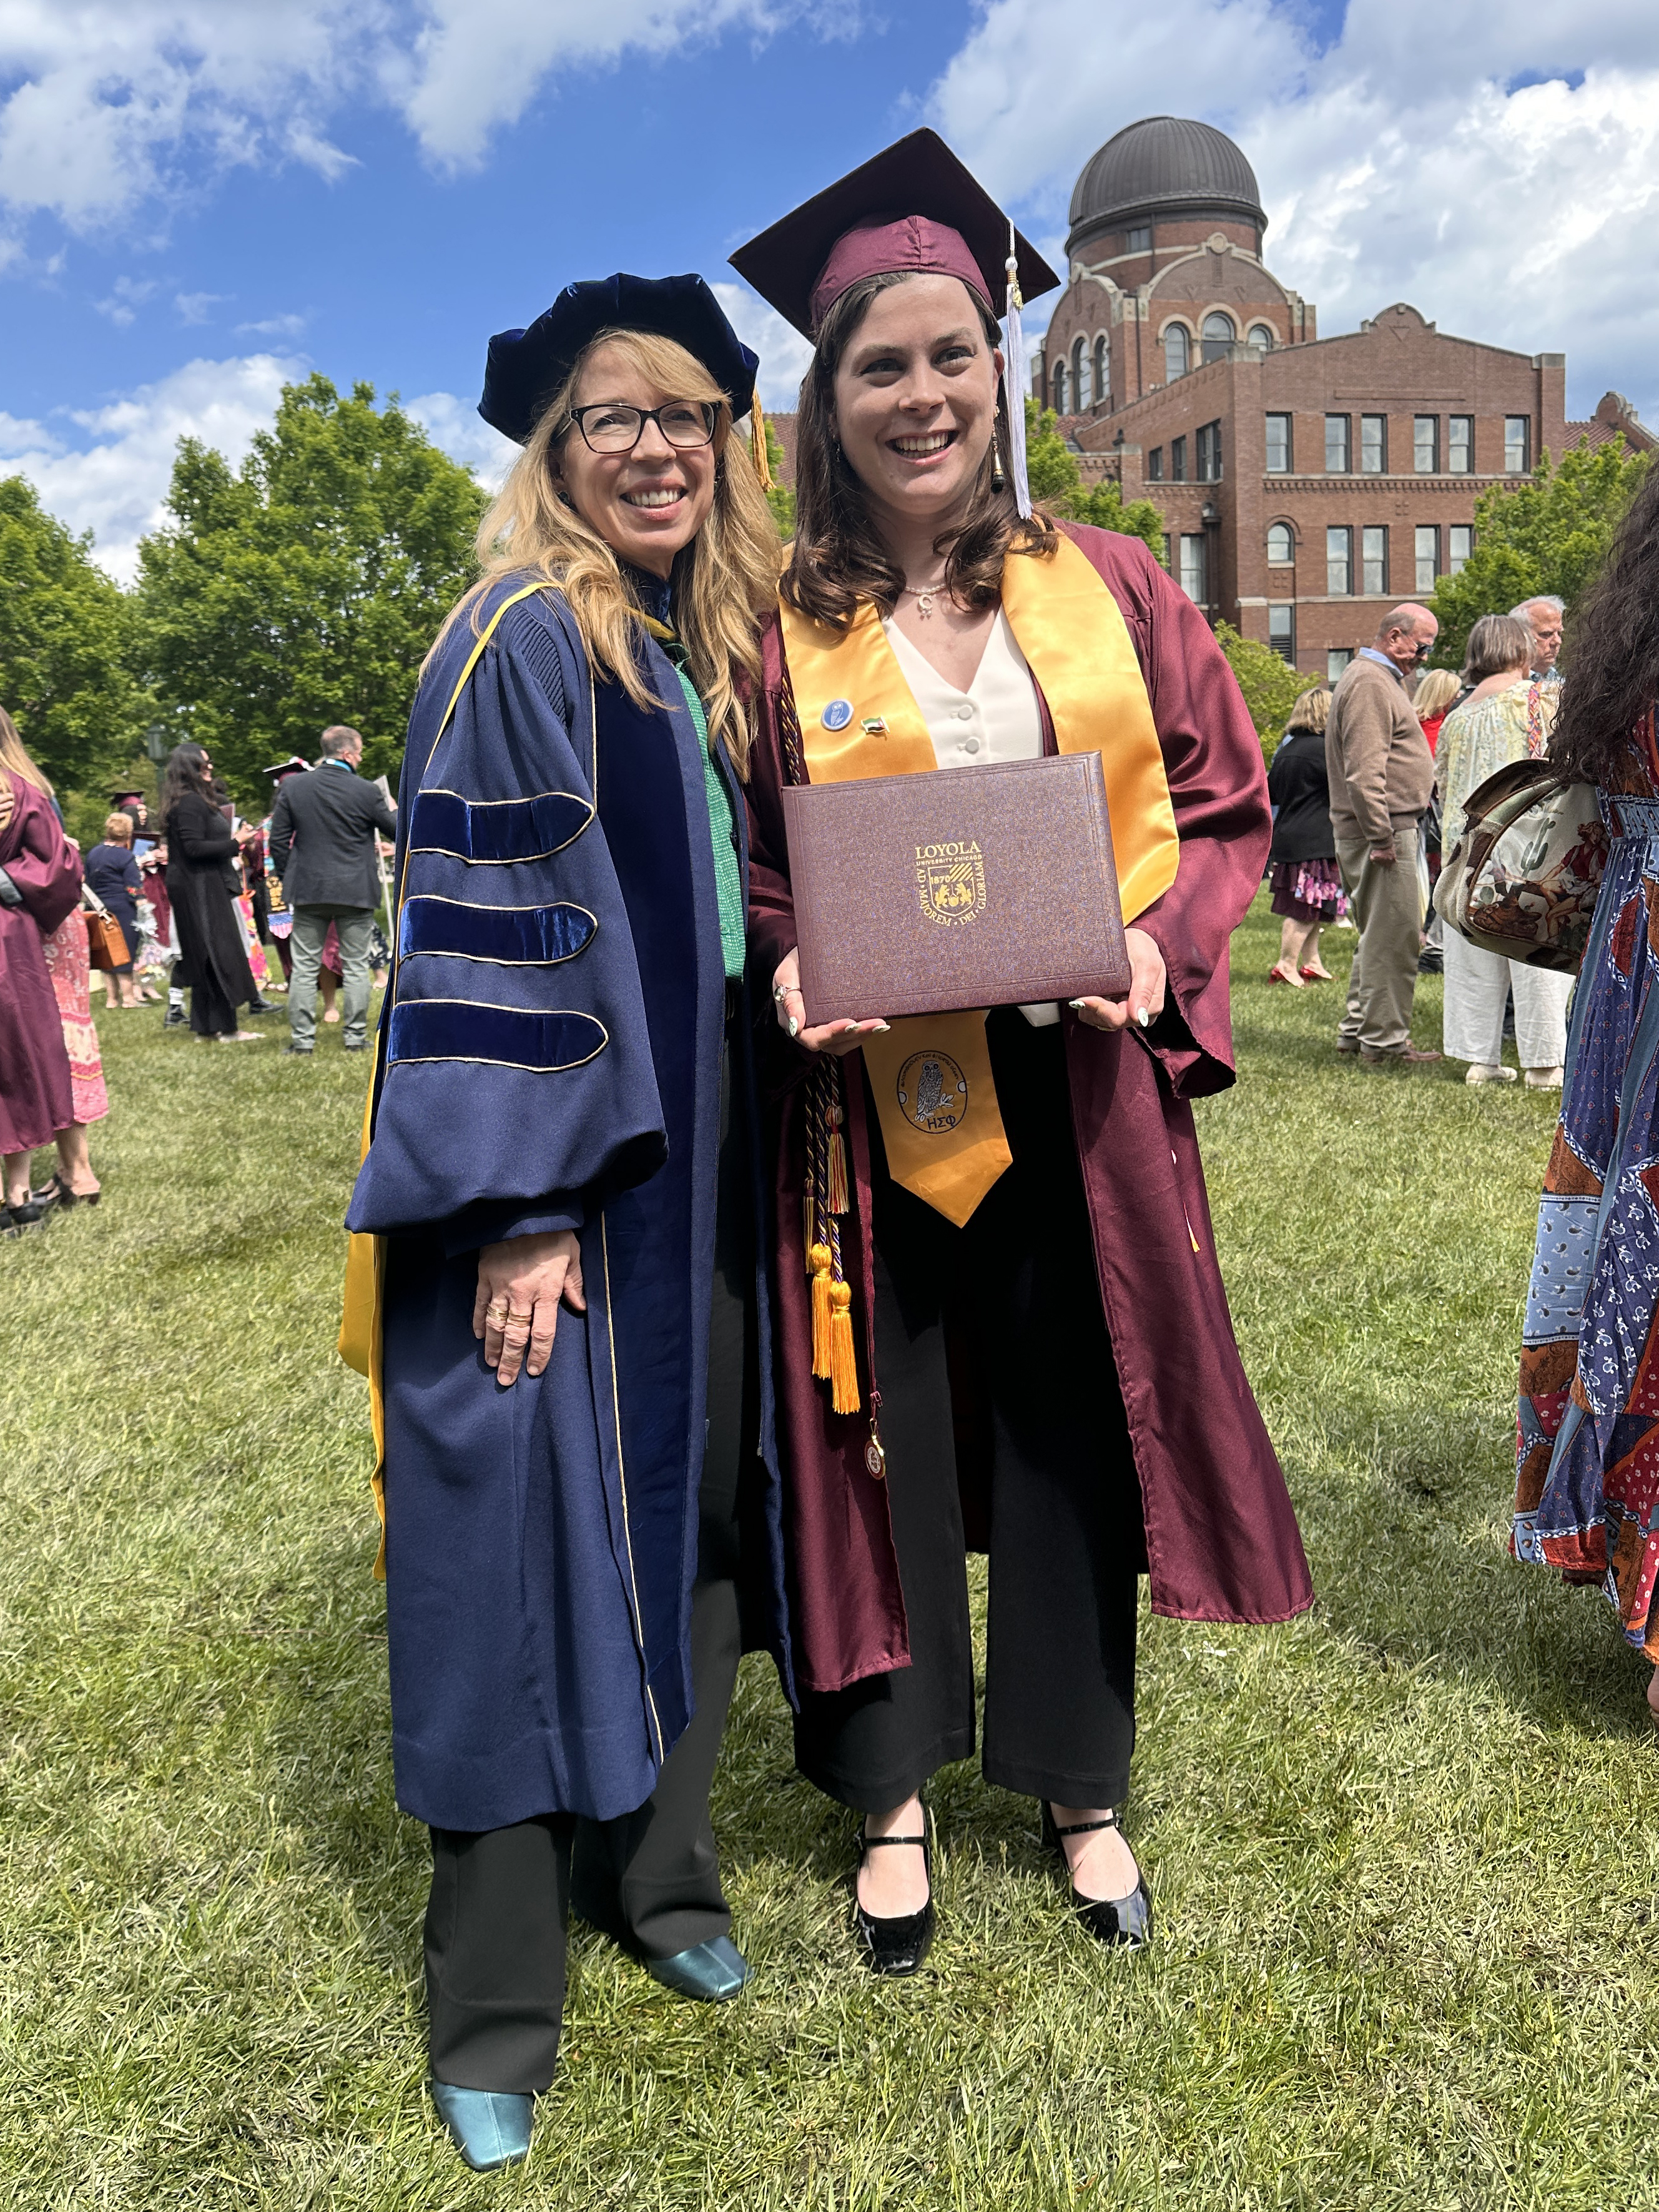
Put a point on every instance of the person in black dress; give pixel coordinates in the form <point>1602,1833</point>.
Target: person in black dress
<point>1305,880</point>
<point>201,850</point>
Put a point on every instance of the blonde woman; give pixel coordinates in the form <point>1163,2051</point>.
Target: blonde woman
<point>1306,882</point>
<point>1507,716</point>
<point>573,1339</point>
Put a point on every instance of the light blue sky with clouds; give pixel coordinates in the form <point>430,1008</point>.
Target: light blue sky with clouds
<point>201,198</point>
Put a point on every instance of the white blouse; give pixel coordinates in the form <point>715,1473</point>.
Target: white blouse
<point>996,719</point>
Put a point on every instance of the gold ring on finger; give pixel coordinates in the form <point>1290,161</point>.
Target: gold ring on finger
<point>526,1318</point>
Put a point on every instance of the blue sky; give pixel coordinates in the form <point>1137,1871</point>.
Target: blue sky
<point>199,197</point>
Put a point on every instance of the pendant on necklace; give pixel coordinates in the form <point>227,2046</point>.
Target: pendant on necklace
<point>924,605</point>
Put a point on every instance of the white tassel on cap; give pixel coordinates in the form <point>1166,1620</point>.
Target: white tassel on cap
<point>1013,385</point>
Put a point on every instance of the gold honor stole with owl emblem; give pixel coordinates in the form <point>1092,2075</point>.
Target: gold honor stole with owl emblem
<point>931,1073</point>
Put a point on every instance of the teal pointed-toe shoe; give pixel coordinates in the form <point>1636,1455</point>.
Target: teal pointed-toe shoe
<point>710,1972</point>
<point>488,2127</point>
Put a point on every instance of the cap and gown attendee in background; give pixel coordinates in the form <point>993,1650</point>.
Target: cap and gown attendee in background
<point>278,915</point>
<point>1301,871</point>
<point>1585,1493</point>
<point>40,891</point>
<point>563,1188</point>
<point>201,854</point>
<point>1041,1281</point>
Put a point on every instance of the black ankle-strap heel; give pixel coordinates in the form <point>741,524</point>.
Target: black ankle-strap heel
<point>894,1947</point>
<point>1125,1920</point>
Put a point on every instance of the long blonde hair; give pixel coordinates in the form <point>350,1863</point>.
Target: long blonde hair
<point>1436,689</point>
<point>13,756</point>
<point>728,576</point>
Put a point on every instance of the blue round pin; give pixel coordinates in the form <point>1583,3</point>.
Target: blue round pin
<point>838,713</point>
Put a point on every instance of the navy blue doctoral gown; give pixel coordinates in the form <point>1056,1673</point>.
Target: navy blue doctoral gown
<point>550,1059</point>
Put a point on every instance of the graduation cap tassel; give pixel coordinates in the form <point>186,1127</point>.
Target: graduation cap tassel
<point>757,435</point>
<point>1013,385</point>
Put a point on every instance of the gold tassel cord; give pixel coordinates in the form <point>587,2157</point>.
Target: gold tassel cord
<point>843,1359</point>
<point>758,433</point>
<point>836,1197</point>
<point>818,1258</point>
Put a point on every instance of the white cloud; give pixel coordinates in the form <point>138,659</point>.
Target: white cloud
<point>126,297</point>
<point>457,427</point>
<point>275,326</point>
<point>1522,216</point>
<point>195,307</point>
<point>112,480</point>
<point>784,353</point>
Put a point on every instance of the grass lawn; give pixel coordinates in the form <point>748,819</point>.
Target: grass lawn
<point>1402,1854</point>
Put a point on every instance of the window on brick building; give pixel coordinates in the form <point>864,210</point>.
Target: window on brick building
<point>1177,461</point>
<point>1426,540</point>
<point>1336,660</point>
<point>1281,545</point>
<point>1374,445</point>
<point>1517,441</point>
<point>1155,465</point>
<point>1262,336</point>
<point>1193,580</point>
<point>1459,445</point>
<point>1218,335</point>
<point>1425,445</point>
<point>1278,445</point>
<point>1209,453</point>
<point>1081,375</point>
<point>1138,240</point>
<point>1103,369</point>
<point>1059,387</point>
<point>1281,633</point>
<point>1339,446</point>
<point>1459,544</point>
<point>1339,560</point>
<point>1374,559</point>
<point>1175,353</point>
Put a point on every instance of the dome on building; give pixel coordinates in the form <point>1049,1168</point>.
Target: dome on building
<point>1164,166</point>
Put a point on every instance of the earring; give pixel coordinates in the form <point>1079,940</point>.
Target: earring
<point>999,482</point>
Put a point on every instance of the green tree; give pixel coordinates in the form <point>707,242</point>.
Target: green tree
<point>781,497</point>
<point>1550,533</point>
<point>1271,686</point>
<point>64,646</point>
<point>1057,482</point>
<point>306,587</point>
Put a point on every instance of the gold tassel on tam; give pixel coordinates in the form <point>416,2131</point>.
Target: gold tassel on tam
<point>819,1260</point>
<point>843,1362</point>
<point>757,434</point>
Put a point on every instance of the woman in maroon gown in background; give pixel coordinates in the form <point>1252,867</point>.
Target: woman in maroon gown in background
<point>39,883</point>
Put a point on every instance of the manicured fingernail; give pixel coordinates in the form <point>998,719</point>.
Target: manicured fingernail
<point>1143,1016</point>
<point>795,1026</point>
<point>882,1025</point>
<point>1074,1002</point>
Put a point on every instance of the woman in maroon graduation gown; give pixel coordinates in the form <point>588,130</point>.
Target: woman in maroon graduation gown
<point>39,883</point>
<point>1005,1322</point>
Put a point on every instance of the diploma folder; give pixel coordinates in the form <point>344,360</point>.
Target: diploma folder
<point>954,887</point>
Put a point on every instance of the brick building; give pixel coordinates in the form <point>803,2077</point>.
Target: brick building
<point>1306,482</point>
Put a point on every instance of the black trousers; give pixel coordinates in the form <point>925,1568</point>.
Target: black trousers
<point>997,1381</point>
<point>495,1921</point>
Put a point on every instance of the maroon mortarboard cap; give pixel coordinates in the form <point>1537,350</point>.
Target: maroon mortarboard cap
<point>913,208</point>
<point>294,765</point>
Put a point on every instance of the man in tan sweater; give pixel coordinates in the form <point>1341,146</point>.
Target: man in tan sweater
<point>1382,776</point>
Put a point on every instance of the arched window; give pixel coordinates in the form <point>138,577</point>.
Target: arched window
<point>1218,335</point>
<point>1261,335</point>
<point>1281,546</point>
<point>1079,376</point>
<point>1059,387</point>
<point>1103,369</point>
<point>1175,353</point>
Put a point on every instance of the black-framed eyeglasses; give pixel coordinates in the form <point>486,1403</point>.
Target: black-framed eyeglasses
<point>607,427</point>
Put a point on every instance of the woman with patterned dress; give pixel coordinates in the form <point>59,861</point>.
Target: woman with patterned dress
<point>1506,717</point>
<point>1301,871</point>
<point>1587,1491</point>
<point>71,981</point>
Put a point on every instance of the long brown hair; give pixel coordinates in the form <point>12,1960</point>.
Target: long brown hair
<point>1612,675</point>
<point>838,559</point>
<point>724,581</point>
<point>15,755</point>
<point>182,775</point>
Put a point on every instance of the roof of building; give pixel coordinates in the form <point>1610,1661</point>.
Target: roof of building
<point>1614,418</point>
<point>1166,165</point>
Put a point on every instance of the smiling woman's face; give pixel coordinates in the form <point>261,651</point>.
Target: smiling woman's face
<point>646,504</point>
<point>916,398</point>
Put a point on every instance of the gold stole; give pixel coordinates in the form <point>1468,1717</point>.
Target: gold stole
<point>1074,638</point>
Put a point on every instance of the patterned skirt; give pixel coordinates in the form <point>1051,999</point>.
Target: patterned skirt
<point>1308,890</point>
<point>71,981</point>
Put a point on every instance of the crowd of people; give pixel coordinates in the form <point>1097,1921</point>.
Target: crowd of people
<point>695,1325</point>
<point>196,901</point>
